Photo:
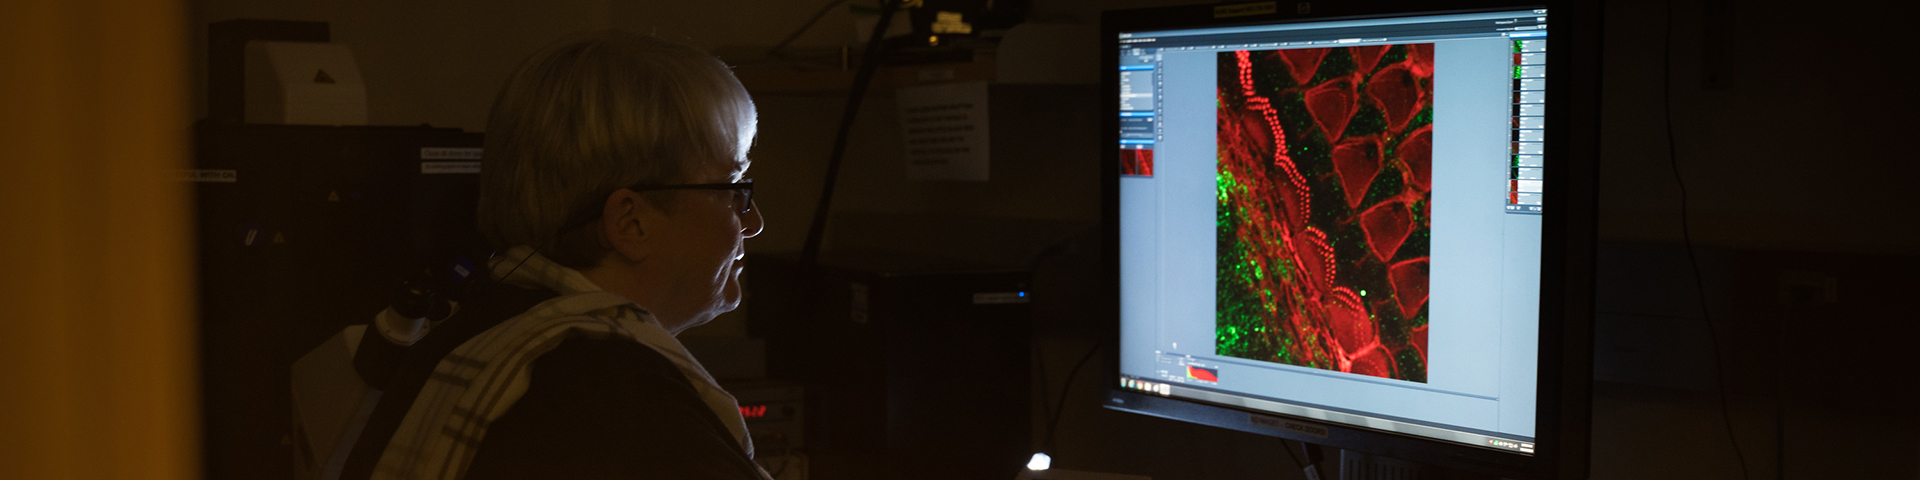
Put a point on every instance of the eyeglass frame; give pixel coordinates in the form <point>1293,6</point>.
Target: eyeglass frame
<point>745,189</point>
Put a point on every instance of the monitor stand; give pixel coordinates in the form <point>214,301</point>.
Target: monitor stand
<point>1366,466</point>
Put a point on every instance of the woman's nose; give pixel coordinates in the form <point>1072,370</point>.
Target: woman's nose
<point>752,223</point>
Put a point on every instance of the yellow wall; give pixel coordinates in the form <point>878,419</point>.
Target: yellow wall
<point>96,369</point>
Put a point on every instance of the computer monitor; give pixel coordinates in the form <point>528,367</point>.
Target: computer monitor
<point>1361,225</point>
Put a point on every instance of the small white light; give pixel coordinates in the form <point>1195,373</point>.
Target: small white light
<point>1039,462</point>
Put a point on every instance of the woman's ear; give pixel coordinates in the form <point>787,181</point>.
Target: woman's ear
<point>624,225</point>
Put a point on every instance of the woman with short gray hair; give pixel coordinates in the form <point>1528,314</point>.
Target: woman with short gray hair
<point>587,117</point>
<point>613,187</point>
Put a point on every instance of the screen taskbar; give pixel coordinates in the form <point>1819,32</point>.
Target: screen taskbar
<point>1395,426</point>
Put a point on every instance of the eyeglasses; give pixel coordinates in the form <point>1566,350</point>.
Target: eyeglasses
<point>743,191</point>
<point>742,194</point>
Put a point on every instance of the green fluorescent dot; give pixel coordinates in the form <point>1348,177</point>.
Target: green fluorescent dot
<point>1363,293</point>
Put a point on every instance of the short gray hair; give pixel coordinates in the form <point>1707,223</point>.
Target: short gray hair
<point>595,113</point>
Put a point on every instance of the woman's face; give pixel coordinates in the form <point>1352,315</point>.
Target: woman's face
<point>701,252</point>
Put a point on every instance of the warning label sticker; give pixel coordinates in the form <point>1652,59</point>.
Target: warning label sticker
<point>443,168</point>
<point>449,153</point>
<point>214,176</point>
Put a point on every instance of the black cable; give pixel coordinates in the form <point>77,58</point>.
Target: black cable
<point>1314,456</point>
<point>1040,363</point>
<point>1059,408</point>
<point>468,290</point>
<point>1780,404</point>
<point>1686,236</point>
<point>805,26</point>
<point>869,63</point>
<point>516,267</point>
<point>1296,458</point>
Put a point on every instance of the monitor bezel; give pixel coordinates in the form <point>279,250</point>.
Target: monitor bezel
<point>1564,405</point>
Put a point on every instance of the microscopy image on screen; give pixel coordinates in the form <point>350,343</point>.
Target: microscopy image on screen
<point>1322,222</point>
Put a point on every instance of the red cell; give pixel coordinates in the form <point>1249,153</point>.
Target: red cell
<point>1368,56</point>
<point>1293,203</point>
<point>1302,63</point>
<point>1372,361</point>
<point>1420,59</point>
<point>1387,226</point>
<point>1332,105</point>
<point>1349,322</point>
<point>1315,258</point>
<point>1258,130</point>
<point>1357,160</point>
<point>1396,90</point>
<point>1416,152</point>
<point>1410,287</point>
<point>1420,339</point>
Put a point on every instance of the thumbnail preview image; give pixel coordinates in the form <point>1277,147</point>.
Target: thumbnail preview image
<point>1136,162</point>
<point>1325,184</point>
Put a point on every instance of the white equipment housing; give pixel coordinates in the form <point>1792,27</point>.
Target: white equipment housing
<point>304,83</point>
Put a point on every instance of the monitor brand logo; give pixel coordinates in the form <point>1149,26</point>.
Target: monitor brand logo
<point>1245,9</point>
<point>1307,429</point>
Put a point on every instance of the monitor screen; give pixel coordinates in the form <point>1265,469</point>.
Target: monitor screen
<point>1338,220</point>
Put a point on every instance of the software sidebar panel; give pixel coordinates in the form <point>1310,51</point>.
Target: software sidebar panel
<point>303,230</point>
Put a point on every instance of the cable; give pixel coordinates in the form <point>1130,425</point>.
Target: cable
<point>1059,408</point>
<point>1296,458</point>
<point>869,63</point>
<point>1040,363</point>
<point>1686,236</point>
<point>1314,456</point>
<point>516,267</point>
<point>1780,406</point>
<point>805,26</point>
